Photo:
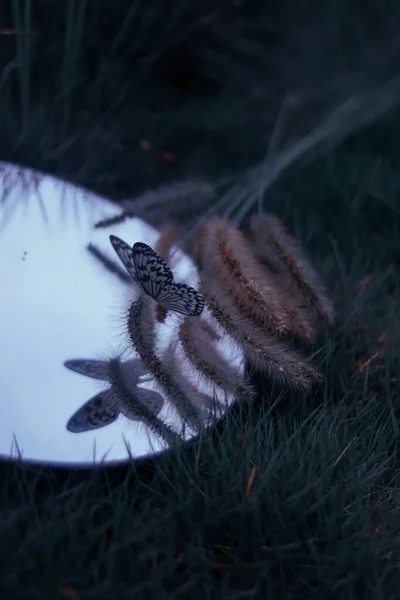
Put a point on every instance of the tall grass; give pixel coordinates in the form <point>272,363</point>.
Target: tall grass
<point>298,498</point>
<point>89,90</point>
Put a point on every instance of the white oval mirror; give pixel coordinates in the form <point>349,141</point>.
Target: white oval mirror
<point>58,303</point>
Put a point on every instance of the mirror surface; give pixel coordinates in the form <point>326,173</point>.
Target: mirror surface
<point>59,303</point>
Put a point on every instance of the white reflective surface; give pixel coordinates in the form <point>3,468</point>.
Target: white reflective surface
<point>58,303</point>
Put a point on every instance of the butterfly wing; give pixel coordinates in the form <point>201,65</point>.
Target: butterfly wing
<point>125,255</point>
<point>152,400</point>
<point>155,278</point>
<point>183,299</point>
<point>97,369</point>
<point>152,272</point>
<point>99,411</point>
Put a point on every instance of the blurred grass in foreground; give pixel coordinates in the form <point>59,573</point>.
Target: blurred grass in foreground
<point>300,500</point>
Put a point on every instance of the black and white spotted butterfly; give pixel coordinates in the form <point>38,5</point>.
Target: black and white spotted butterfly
<point>105,408</point>
<point>156,279</point>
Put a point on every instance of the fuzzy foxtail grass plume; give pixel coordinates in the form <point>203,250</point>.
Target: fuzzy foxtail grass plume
<point>181,201</point>
<point>173,362</point>
<point>303,321</point>
<point>208,362</point>
<point>264,352</point>
<point>224,257</point>
<point>141,332</point>
<point>169,236</point>
<point>271,233</point>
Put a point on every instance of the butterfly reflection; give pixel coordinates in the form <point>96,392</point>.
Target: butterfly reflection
<point>104,408</point>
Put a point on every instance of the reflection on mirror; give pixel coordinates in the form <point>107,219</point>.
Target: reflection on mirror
<point>65,291</point>
<point>122,340</point>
